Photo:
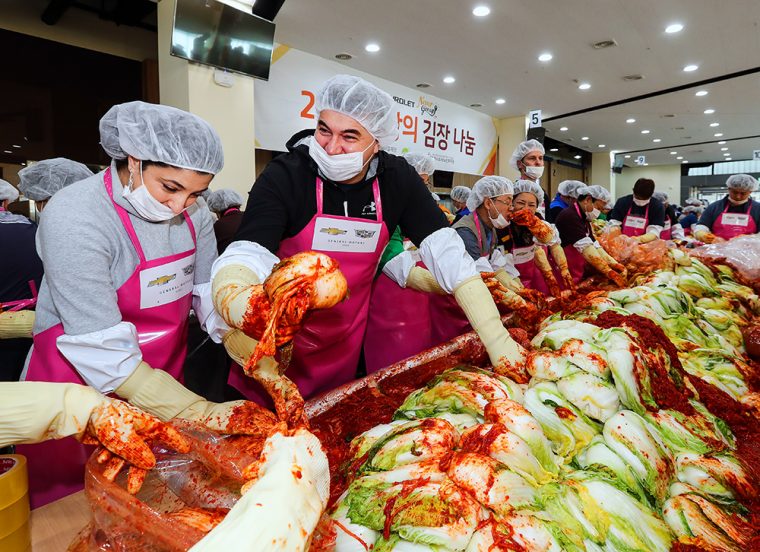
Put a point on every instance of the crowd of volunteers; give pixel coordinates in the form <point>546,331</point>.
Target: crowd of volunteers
<point>97,295</point>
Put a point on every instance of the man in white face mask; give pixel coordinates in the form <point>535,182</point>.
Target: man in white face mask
<point>528,158</point>
<point>337,192</point>
<point>734,215</point>
<point>639,214</point>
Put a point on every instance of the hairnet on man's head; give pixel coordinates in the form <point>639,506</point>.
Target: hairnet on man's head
<point>568,187</point>
<point>662,197</point>
<point>488,186</point>
<point>600,193</point>
<point>460,193</point>
<point>523,149</point>
<point>742,182</point>
<point>693,201</point>
<point>362,101</point>
<point>421,162</point>
<point>7,191</point>
<point>41,180</point>
<point>221,200</point>
<point>529,187</point>
<point>151,132</point>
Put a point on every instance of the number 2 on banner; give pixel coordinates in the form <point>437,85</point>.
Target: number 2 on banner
<point>306,111</point>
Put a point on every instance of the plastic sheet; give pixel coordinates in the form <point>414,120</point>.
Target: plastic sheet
<point>636,257</point>
<point>741,253</point>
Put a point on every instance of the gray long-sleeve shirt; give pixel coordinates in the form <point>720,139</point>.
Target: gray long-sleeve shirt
<point>87,253</point>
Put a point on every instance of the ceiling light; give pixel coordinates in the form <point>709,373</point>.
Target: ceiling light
<point>723,149</point>
<point>602,145</point>
<point>728,159</point>
<point>714,124</point>
<point>627,156</point>
<point>16,146</point>
<point>685,161</point>
<point>500,101</point>
<point>644,132</point>
<point>554,149</point>
<point>7,151</point>
<point>690,68</point>
<point>679,157</point>
<point>701,93</point>
<point>709,111</point>
<point>576,156</point>
<point>646,164</point>
<point>673,153</point>
<point>563,129</point>
<point>718,134</point>
<point>657,140</point>
<point>481,11</point>
<point>584,86</point>
<point>372,47</point>
<point>726,154</point>
<point>344,56</point>
<point>631,120</point>
<point>546,56</point>
<point>449,79</point>
<point>584,138</point>
<point>722,142</point>
<point>674,28</point>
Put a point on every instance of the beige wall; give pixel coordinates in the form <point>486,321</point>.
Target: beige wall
<point>667,178</point>
<point>78,28</point>
<point>511,132</point>
<point>601,170</point>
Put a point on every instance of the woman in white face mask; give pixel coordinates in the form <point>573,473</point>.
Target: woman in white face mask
<point>127,254</point>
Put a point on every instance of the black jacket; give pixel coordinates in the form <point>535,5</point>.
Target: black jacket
<point>283,199</point>
<point>656,211</point>
<point>716,208</point>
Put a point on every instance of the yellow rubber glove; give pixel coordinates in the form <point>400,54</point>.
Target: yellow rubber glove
<point>560,259</point>
<point>707,237</point>
<point>507,357</point>
<point>595,259</point>
<point>510,282</point>
<point>646,238</point>
<point>231,291</point>
<point>283,505</point>
<point>422,279</point>
<point>542,262</point>
<point>612,261</point>
<point>156,392</point>
<point>16,324</point>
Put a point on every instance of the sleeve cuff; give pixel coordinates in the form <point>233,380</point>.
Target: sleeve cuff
<point>249,254</point>
<point>203,305</point>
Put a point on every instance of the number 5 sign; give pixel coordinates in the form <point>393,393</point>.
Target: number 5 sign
<point>534,118</point>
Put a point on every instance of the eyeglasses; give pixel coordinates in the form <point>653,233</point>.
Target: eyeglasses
<point>507,203</point>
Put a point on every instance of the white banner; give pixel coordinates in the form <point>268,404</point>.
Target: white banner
<point>459,139</point>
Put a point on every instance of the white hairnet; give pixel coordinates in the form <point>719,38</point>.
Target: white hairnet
<point>460,193</point>
<point>662,197</point>
<point>742,182</point>
<point>600,193</point>
<point>7,191</point>
<point>488,186</point>
<point>363,102</point>
<point>568,187</point>
<point>609,205</point>
<point>691,209</point>
<point>581,190</point>
<point>693,201</point>
<point>41,180</point>
<point>523,149</point>
<point>151,132</point>
<point>529,187</point>
<point>421,162</point>
<point>221,200</point>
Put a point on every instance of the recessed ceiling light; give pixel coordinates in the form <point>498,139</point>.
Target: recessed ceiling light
<point>344,56</point>
<point>602,145</point>
<point>448,79</point>
<point>726,154</point>
<point>16,146</point>
<point>554,149</point>
<point>584,86</point>
<point>476,105</point>
<point>584,138</point>
<point>7,151</point>
<point>701,93</point>
<point>657,140</point>
<point>674,28</point>
<point>690,68</point>
<point>673,153</point>
<point>631,120</point>
<point>708,111</point>
<point>372,47</point>
<point>646,164</point>
<point>684,161</point>
<point>722,142</point>
<point>577,156</point>
<point>728,159</point>
<point>714,124</point>
<point>563,129</point>
<point>627,156</point>
<point>645,132</point>
<point>481,11</point>
<point>23,164</point>
<point>679,157</point>
<point>546,56</point>
<point>500,101</point>
<point>718,134</point>
<point>723,149</point>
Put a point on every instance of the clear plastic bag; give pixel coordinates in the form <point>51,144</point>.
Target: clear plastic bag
<point>741,253</point>
<point>638,258</point>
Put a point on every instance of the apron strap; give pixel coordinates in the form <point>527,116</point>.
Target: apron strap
<point>375,193</point>
<point>124,217</point>
<point>319,196</point>
<point>480,234</point>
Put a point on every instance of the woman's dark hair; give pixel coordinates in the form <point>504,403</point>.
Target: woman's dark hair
<point>122,164</point>
<point>583,197</point>
<point>644,188</point>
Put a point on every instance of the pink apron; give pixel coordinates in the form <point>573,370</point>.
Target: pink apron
<point>667,230</point>
<point>56,467</point>
<point>447,319</point>
<point>634,225</point>
<point>398,325</point>
<point>730,225</point>
<point>326,350</point>
<point>576,264</point>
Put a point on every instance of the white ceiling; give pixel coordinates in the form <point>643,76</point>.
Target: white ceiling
<point>496,57</point>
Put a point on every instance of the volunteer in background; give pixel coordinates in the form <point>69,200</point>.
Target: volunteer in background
<point>689,217</point>
<point>732,216</point>
<point>581,248</point>
<point>336,192</point>
<point>127,253</point>
<point>41,180</point>
<point>640,216</point>
<point>672,230</point>
<point>528,158</point>
<point>459,195</point>
<point>20,278</point>
<point>563,199</point>
<point>423,164</point>
<point>226,205</point>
